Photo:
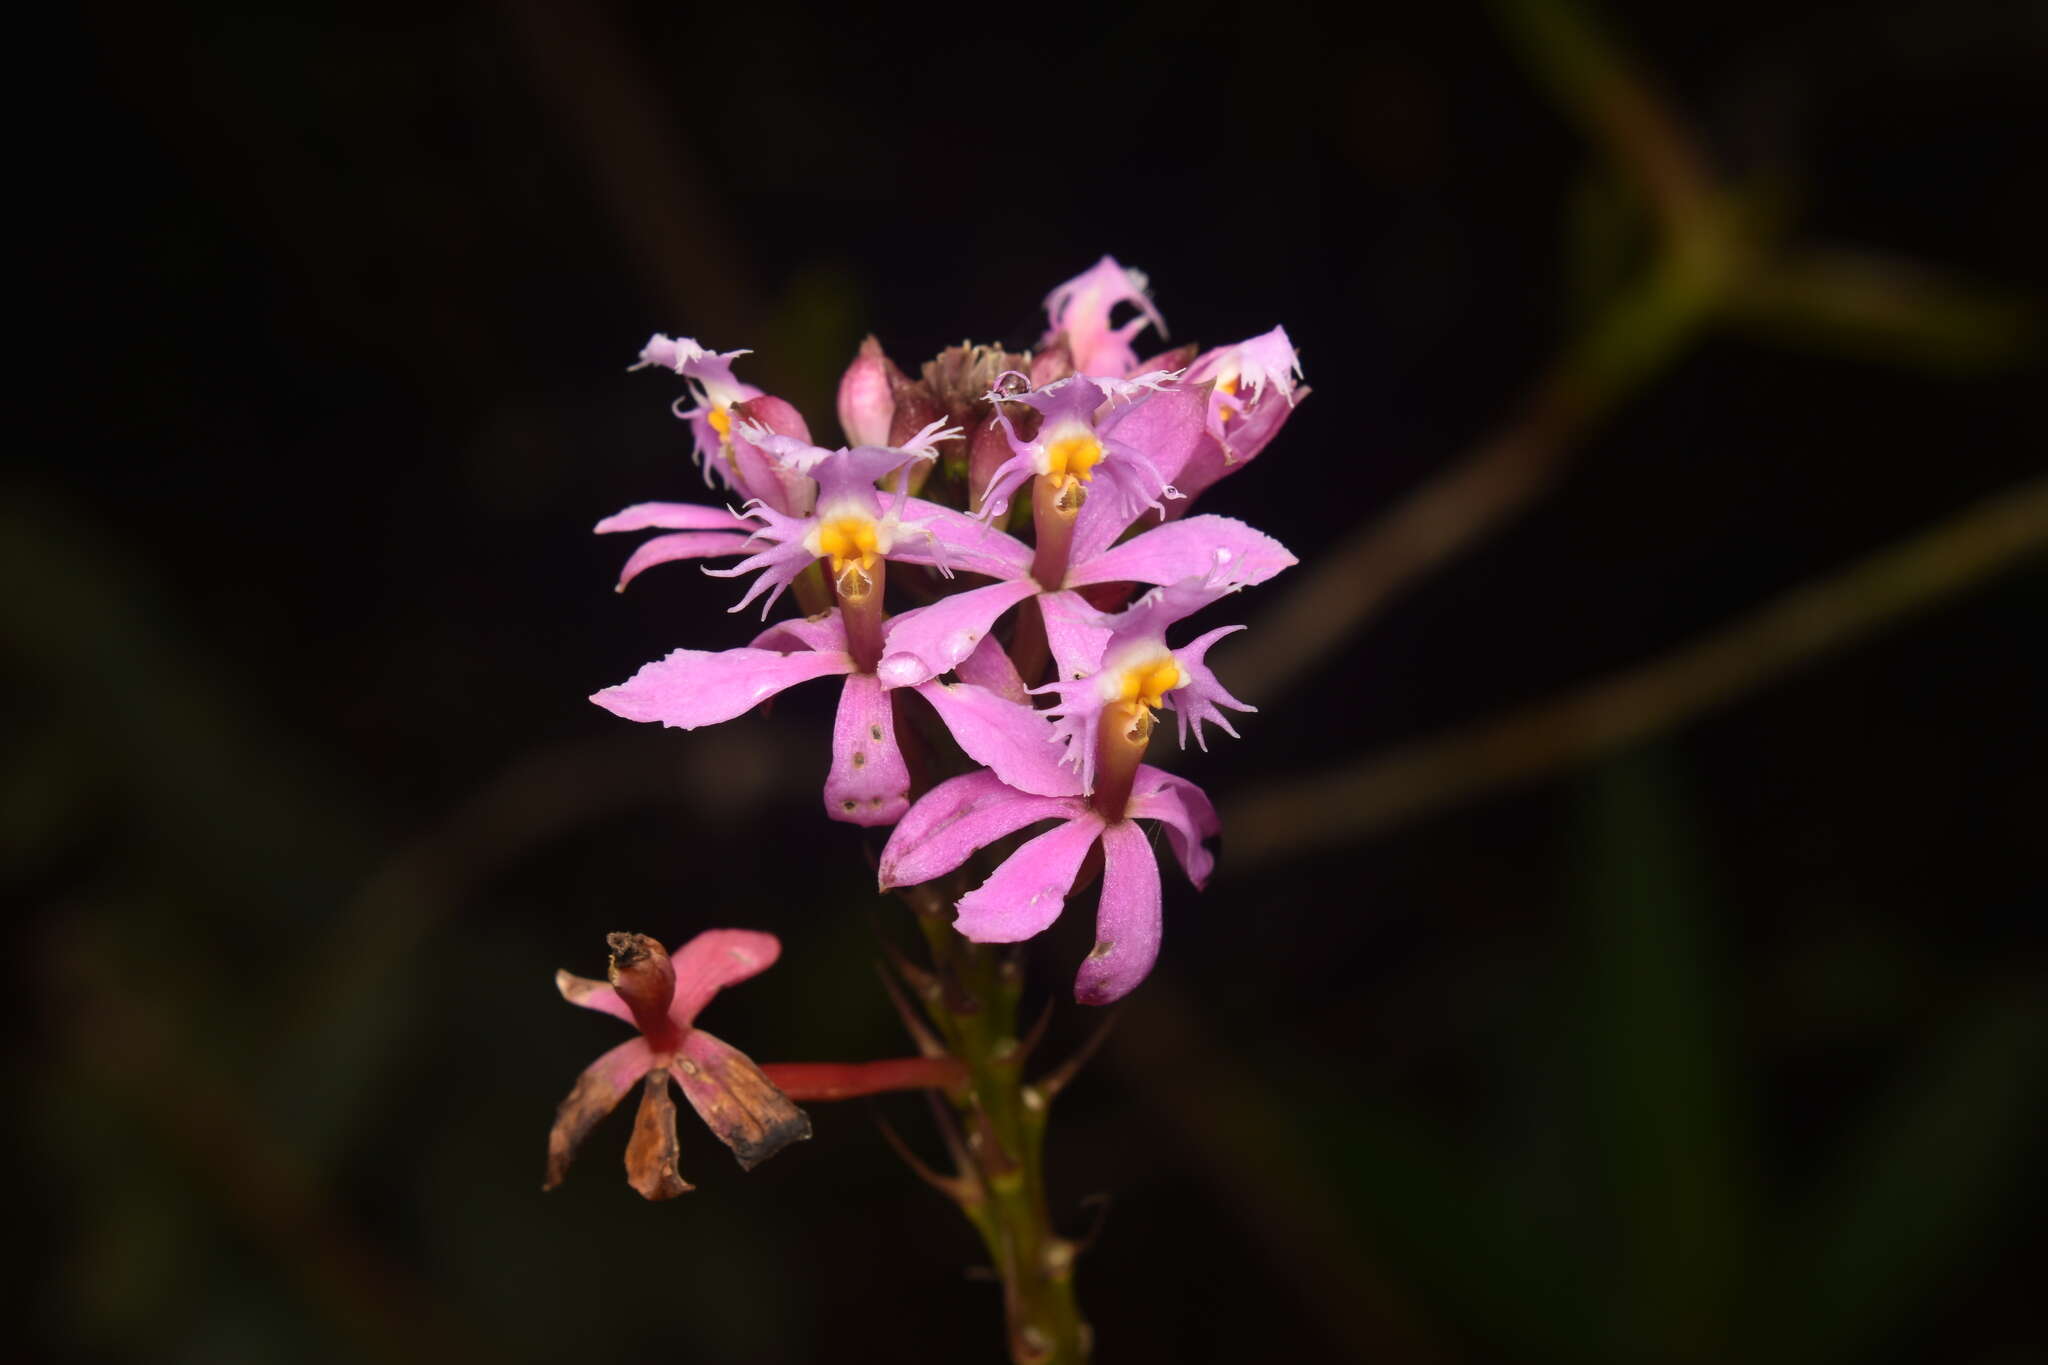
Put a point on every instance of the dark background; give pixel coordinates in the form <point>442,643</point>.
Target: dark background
<point>1724,1046</point>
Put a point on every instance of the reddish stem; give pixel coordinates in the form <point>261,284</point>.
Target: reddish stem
<point>849,1080</point>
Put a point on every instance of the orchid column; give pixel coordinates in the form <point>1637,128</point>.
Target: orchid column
<point>1029,671</point>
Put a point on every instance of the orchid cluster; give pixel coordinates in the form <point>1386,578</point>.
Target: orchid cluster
<point>996,566</point>
<point>1031,514</point>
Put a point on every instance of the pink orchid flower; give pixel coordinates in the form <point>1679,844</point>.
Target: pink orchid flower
<point>868,782</point>
<point>1080,764</point>
<point>1253,390</point>
<point>1080,309</point>
<point>720,406</point>
<point>930,640</point>
<point>1025,895</point>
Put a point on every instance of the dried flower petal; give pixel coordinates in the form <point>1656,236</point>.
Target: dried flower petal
<point>651,1154</point>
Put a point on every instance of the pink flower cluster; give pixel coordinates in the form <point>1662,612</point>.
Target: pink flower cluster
<point>1023,499</point>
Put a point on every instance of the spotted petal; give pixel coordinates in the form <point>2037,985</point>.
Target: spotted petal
<point>1127,923</point>
<point>868,783</point>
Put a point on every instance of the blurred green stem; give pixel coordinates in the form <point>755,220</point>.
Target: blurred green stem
<point>973,1001</point>
<point>1305,811</point>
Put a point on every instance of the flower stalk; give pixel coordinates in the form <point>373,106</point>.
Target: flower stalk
<point>974,1003</point>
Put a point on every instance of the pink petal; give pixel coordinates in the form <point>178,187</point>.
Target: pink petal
<point>1190,548</point>
<point>681,545</point>
<point>1026,893</point>
<point>1127,922</point>
<point>1167,426</point>
<point>826,634</point>
<point>673,516</point>
<point>1077,633</point>
<point>597,1092</point>
<point>713,960</point>
<point>1014,740</point>
<point>927,641</point>
<point>990,666</point>
<point>957,817</point>
<point>1183,809</point>
<point>868,783</point>
<point>593,995</point>
<point>693,687</point>
<point>963,543</point>
<point>736,1100</point>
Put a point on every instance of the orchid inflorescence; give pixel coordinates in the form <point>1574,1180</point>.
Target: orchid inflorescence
<point>1115,451</point>
<point>1034,507</point>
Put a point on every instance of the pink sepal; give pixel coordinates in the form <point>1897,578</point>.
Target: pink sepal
<point>929,640</point>
<point>736,1100</point>
<point>1016,741</point>
<point>825,633</point>
<point>713,960</point>
<point>1166,426</point>
<point>1191,548</point>
<point>1127,922</point>
<point>680,545</point>
<point>868,783</point>
<point>1077,634</point>
<point>673,516</point>
<point>593,995</point>
<point>693,687</point>
<point>960,542</point>
<point>989,666</point>
<point>1184,812</point>
<point>1027,892</point>
<point>957,817</point>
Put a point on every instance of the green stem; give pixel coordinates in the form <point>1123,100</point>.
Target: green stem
<point>974,1005</point>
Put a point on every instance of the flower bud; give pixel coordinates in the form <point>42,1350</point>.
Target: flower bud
<point>867,396</point>
<point>1053,362</point>
<point>776,414</point>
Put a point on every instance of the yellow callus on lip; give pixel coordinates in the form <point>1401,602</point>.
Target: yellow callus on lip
<point>1072,456</point>
<point>721,422</point>
<point>1147,684</point>
<point>1227,387</point>
<point>845,540</point>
